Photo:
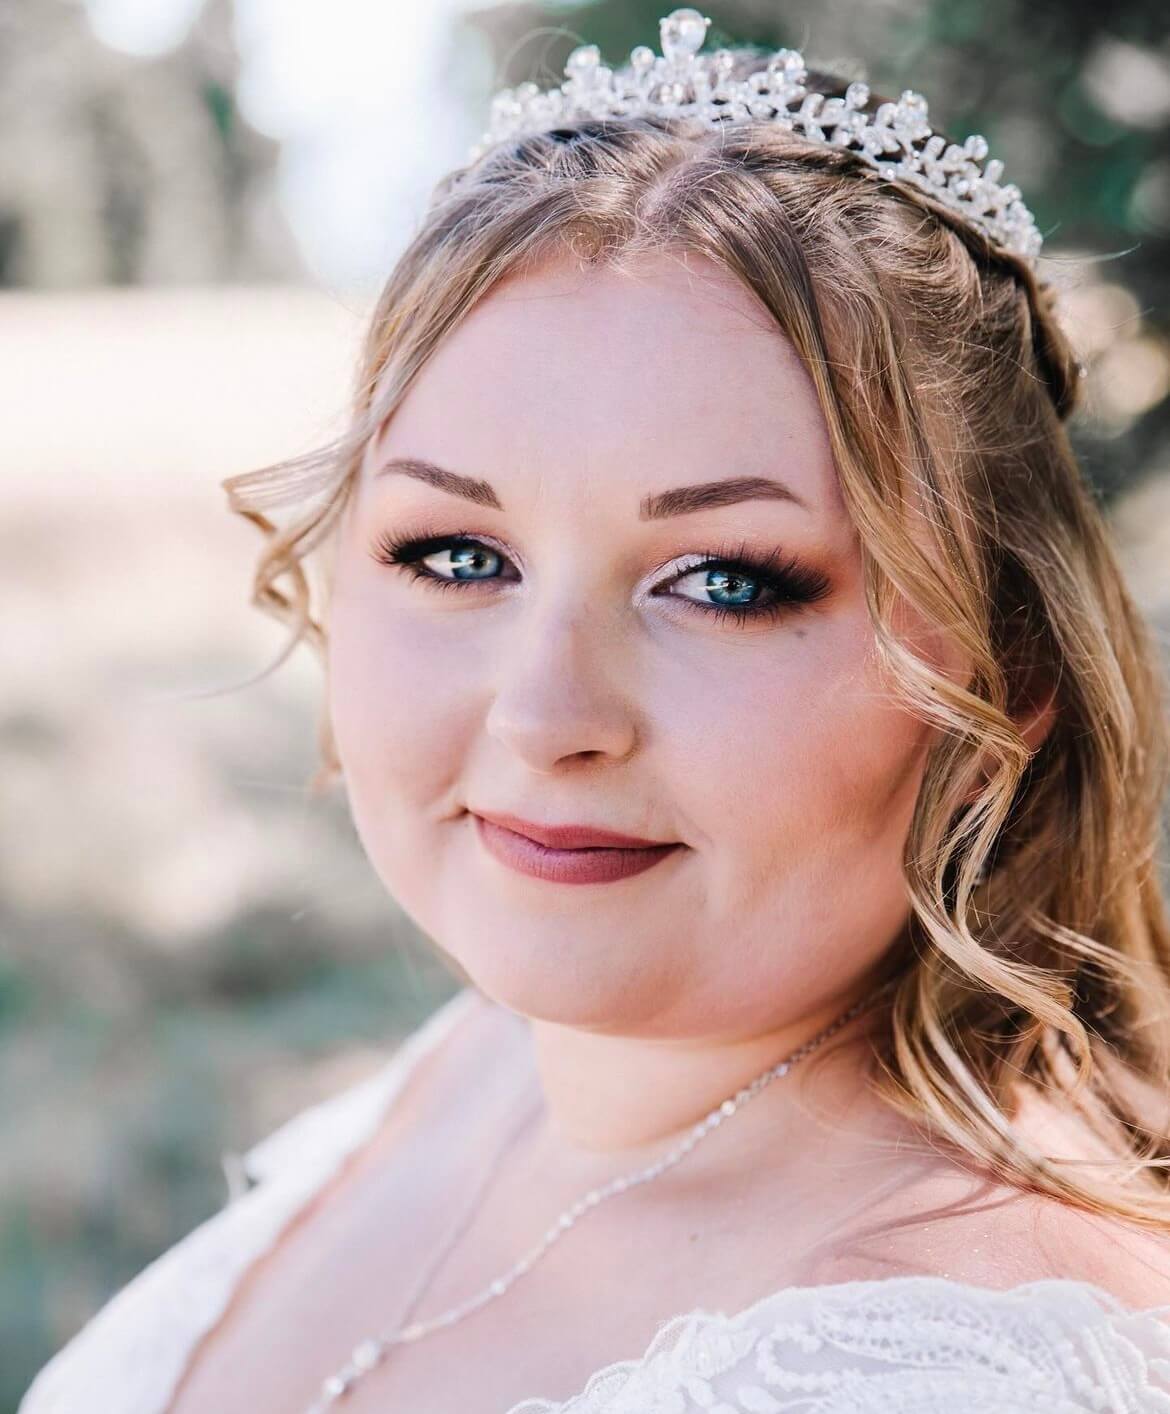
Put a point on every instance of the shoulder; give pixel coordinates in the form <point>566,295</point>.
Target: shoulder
<point>941,1217</point>
<point>133,1346</point>
<point>136,1345</point>
<point>928,1209</point>
<point>1130,1262</point>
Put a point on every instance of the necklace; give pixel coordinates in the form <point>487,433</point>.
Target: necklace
<point>370,1352</point>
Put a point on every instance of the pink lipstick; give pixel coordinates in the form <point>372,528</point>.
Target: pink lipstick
<point>568,854</point>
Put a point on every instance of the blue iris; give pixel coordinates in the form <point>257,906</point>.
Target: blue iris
<point>743,588</point>
<point>473,557</point>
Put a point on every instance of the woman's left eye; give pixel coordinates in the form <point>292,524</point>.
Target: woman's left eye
<point>734,585</point>
<point>745,589</point>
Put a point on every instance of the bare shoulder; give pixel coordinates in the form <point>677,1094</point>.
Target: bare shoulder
<point>946,1218</point>
<point>1131,1262</point>
<point>1127,1258</point>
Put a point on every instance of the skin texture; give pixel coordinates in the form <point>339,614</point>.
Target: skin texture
<point>564,690</point>
<point>614,1016</point>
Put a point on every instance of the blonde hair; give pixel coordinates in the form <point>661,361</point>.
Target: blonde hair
<point>1038,950</point>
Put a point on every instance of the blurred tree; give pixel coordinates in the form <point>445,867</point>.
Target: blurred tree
<point>123,170</point>
<point>1075,100</point>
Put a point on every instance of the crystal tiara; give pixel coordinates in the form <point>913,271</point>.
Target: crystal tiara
<point>896,139</point>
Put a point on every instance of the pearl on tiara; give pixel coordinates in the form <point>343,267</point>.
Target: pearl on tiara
<point>896,140</point>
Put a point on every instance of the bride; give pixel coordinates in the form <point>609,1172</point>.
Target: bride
<point>730,670</point>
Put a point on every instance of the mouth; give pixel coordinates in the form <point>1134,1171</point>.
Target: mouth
<point>569,854</point>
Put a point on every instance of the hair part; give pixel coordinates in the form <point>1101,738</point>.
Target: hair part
<point>1038,950</point>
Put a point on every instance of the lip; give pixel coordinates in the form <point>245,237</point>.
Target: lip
<point>605,857</point>
<point>569,836</point>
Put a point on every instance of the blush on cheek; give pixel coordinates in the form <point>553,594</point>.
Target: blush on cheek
<point>814,759</point>
<point>403,696</point>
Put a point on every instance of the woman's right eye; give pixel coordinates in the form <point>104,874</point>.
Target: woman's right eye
<point>446,561</point>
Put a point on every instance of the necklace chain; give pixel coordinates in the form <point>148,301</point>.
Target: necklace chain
<point>370,1352</point>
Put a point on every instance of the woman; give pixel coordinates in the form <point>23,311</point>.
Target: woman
<point>730,670</point>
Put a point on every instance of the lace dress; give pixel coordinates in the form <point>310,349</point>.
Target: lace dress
<point>910,1344</point>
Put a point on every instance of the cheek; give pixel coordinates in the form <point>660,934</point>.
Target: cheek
<point>799,750</point>
<point>401,698</point>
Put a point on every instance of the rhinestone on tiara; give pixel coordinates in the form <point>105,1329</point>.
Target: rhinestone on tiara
<point>896,139</point>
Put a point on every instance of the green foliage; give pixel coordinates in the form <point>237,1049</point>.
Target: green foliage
<point>222,107</point>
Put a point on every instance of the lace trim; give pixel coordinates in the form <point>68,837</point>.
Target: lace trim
<point>907,1344</point>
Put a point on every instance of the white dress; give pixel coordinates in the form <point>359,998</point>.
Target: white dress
<point>902,1344</point>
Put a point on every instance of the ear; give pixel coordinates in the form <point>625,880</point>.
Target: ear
<point>1035,716</point>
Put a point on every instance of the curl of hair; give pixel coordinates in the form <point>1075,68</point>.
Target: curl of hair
<point>1037,951</point>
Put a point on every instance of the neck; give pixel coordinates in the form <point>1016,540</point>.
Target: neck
<point>606,1092</point>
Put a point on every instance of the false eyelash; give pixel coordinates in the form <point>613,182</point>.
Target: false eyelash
<point>405,551</point>
<point>792,583</point>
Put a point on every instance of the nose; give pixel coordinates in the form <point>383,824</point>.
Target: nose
<point>557,691</point>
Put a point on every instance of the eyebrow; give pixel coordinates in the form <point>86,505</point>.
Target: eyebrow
<point>683,500</point>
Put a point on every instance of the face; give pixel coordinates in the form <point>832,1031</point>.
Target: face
<point>531,615</point>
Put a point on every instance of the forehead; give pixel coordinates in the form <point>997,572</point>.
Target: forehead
<point>663,367</point>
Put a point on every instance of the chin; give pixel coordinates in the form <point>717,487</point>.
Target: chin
<point>595,957</point>
<point>562,984</point>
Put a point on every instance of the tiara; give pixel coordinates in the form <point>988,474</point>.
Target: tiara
<point>896,140</point>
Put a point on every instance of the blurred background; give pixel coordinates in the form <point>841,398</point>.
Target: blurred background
<point>198,201</point>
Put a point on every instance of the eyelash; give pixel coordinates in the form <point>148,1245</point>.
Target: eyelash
<point>790,584</point>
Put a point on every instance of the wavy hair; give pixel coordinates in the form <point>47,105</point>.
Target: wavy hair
<point>1037,950</point>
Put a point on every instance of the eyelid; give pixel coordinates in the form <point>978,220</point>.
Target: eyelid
<point>490,541</point>
<point>673,568</point>
<point>764,564</point>
<point>424,534</point>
